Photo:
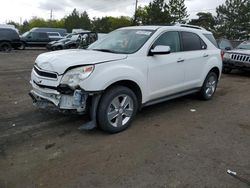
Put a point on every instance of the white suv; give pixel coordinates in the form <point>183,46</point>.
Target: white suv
<point>130,68</point>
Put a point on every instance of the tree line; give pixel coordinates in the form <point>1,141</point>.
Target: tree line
<point>232,20</point>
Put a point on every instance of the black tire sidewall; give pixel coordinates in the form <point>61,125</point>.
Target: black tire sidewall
<point>107,97</point>
<point>203,94</point>
<point>5,44</point>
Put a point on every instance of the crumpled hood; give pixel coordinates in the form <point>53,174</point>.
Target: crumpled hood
<point>239,51</point>
<point>60,61</point>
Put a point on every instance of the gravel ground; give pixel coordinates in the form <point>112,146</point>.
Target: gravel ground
<point>166,146</point>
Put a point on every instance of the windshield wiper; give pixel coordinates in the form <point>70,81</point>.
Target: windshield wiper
<point>105,50</point>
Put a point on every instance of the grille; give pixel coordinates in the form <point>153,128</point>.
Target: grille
<point>240,57</point>
<point>45,74</point>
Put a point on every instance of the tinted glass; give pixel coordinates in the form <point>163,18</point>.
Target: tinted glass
<point>191,42</point>
<point>170,39</point>
<point>43,35</point>
<point>211,38</point>
<point>53,34</point>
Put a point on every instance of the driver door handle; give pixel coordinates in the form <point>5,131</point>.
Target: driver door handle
<point>205,55</point>
<point>180,60</point>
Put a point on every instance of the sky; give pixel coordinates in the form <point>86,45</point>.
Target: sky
<point>20,10</point>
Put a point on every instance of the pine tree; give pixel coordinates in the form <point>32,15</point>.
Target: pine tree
<point>178,11</point>
<point>157,12</point>
<point>206,20</point>
<point>233,18</point>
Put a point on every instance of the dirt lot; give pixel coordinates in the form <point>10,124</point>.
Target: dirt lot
<point>166,146</point>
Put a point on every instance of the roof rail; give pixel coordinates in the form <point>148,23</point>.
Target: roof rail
<point>190,26</point>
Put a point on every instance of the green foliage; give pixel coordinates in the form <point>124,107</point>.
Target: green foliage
<point>77,21</point>
<point>178,11</point>
<point>107,24</point>
<point>233,18</point>
<point>206,20</point>
<point>155,13</point>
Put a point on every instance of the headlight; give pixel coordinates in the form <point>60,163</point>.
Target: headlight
<point>74,76</point>
<point>226,56</point>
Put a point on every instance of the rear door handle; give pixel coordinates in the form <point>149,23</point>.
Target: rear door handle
<point>180,60</point>
<point>205,55</point>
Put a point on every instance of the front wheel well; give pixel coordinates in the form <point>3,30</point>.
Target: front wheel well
<point>216,71</point>
<point>131,85</point>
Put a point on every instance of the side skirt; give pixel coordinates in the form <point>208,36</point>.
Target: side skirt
<point>170,97</point>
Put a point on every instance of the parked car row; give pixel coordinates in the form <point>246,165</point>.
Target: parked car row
<point>52,38</point>
<point>76,40</point>
<point>9,39</point>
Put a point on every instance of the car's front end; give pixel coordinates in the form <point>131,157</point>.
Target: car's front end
<point>238,58</point>
<point>57,78</point>
<point>60,92</point>
<point>50,44</point>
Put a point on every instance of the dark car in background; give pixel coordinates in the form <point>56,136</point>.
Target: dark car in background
<point>239,58</point>
<point>9,38</point>
<point>57,45</point>
<point>35,39</point>
<point>77,40</point>
<point>40,37</point>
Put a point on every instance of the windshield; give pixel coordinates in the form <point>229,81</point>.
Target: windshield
<point>244,45</point>
<point>125,41</point>
<point>25,34</point>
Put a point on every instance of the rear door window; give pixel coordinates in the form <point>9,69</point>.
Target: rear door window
<point>53,34</point>
<point>43,35</point>
<point>192,42</point>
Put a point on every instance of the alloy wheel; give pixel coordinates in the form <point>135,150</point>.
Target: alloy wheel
<point>120,110</point>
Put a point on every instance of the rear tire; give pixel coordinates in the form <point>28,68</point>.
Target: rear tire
<point>117,109</point>
<point>5,47</point>
<point>209,86</point>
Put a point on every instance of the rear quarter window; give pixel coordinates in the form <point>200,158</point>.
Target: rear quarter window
<point>8,34</point>
<point>211,38</point>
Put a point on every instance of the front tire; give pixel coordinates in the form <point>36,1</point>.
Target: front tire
<point>209,86</point>
<point>117,109</point>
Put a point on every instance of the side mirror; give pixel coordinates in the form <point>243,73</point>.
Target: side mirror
<point>160,50</point>
<point>228,48</point>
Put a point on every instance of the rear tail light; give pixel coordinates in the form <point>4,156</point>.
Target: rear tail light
<point>222,54</point>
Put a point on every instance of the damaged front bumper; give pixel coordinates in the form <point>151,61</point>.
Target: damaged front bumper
<point>45,98</point>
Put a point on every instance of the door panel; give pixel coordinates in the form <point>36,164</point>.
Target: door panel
<point>166,72</point>
<point>196,57</point>
<point>165,75</point>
